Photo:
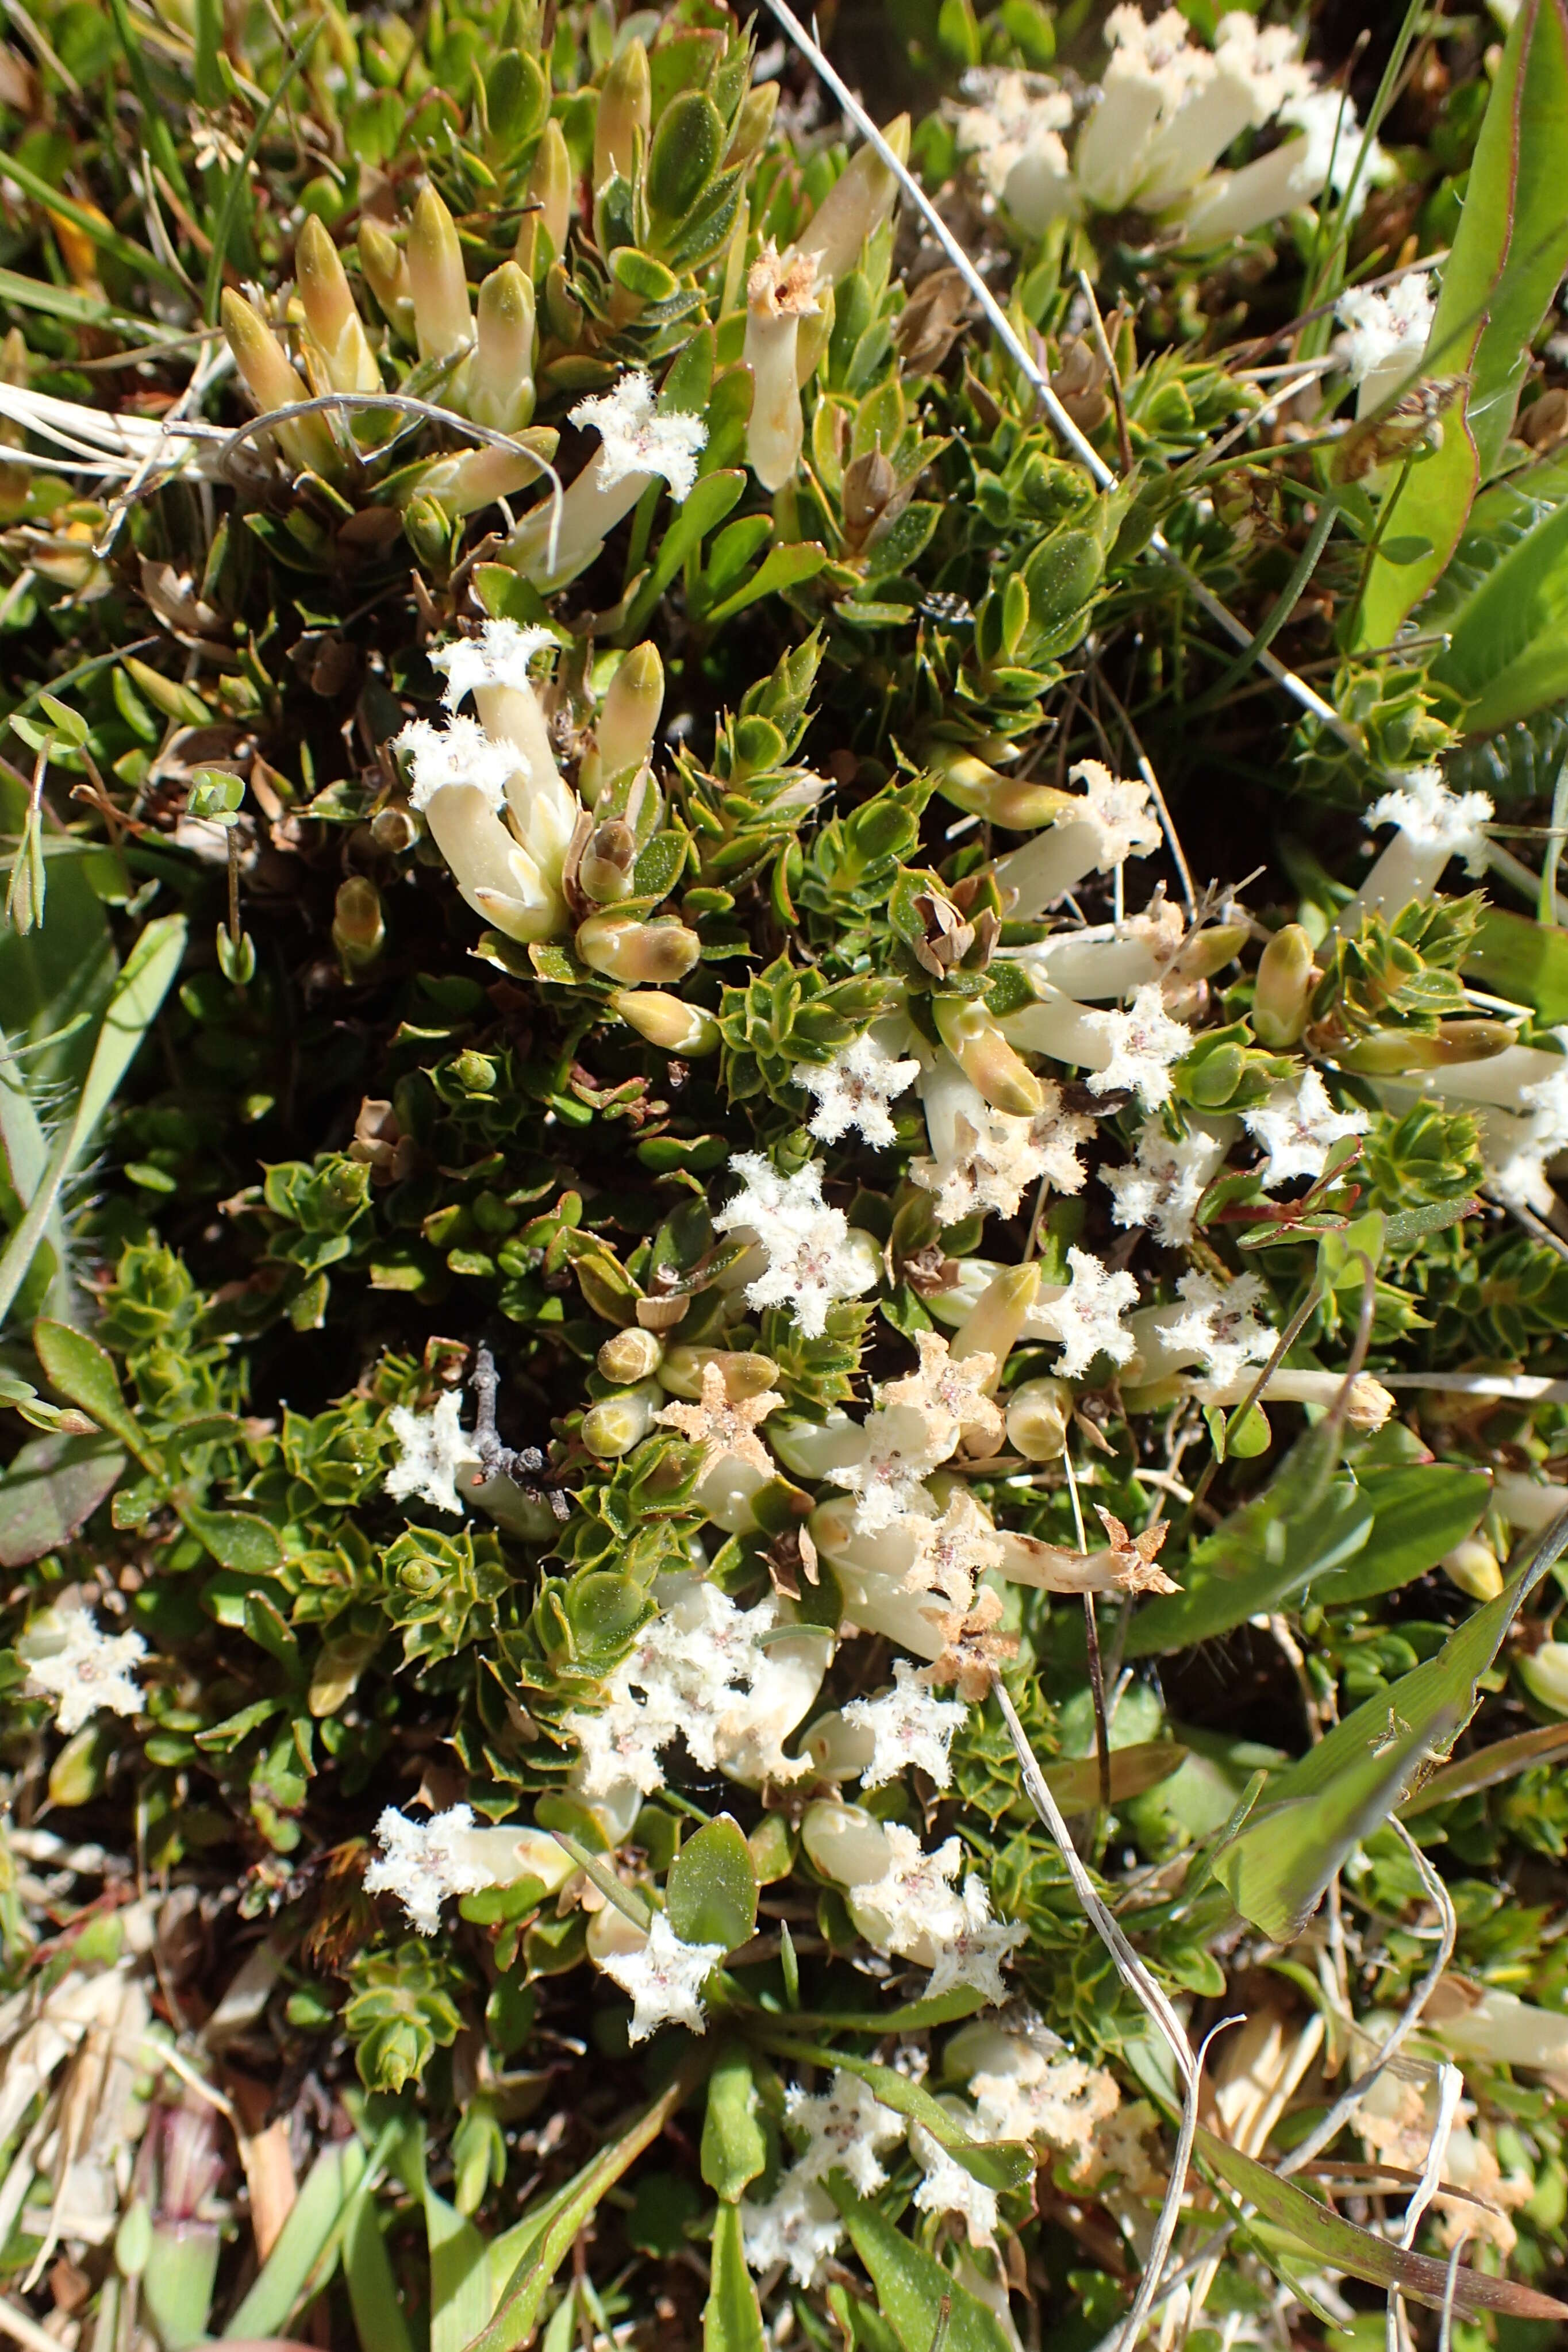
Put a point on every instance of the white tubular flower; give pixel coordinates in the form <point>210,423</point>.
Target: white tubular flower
<point>798,2225</point>
<point>1134,1048</point>
<point>883,1579</point>
<point>1387,335</point>
<point>1153,71</point>
<point>1435,825</point>
<point>1113,823</point>
<point>1370,1401</point>
<point>779,294</point>
<point>637,446</point>
<point>954,1392</point>
<point>1517,1150</point>
<point>811,1258</point>
<point>854,1091</point>
<point>665,1979</point>
<point>724,1427</point>
<point>459,780</point>
<point>1086,1317</point>
<point>908,1724</point>
<point>1499,2028</point>
<point>1296,1127</point>
<point>947,2188</point>
<point>431,1449</point>
<point>1161,1186</point>
<point>1108,961</point>
<point>421,1862</point>
<point>845,2127</point>
<point>1013,137</point>
<point>1217,1327</point>
<point>81,1669</point>
<point>913,1910</point>
<point>897,1450</point>
<point>494,668</point>
<point>1234,204</point>
<point>984,1159</point>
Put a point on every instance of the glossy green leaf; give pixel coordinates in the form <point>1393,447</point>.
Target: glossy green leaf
<point>911,2286</point>
<point>49,1488</point>
<point>1277,1864</point>
<point>782,567</point>
<point>1507,653</point>
<point>712,1890</point>
<point>1340,2247</point>
<point>732,2316</point>
<point>734,2148</point>
<point>1523,960</point>
<point>1507,262</point>
<point>84,1371</point>
<point>236,1539</point>
<point>1421,1510</point>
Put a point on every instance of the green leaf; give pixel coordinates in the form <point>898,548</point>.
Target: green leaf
<point>911,2286</point>
<point>302,2242</point>
<point>1502,1760</point>
<point>1508,259</point>
<point>1421,1511</point>
<point>1277,1865</point>
<point>1340,2247</point>
<point>1508,652</point>
<point>701,512</point>
<point>734,2148</point>
<point>459,2276</point>
<point>236,1539</point>
<point>1523,960</point>
<point>49,1488</point>
<point>712,1891</point>
<point>783,567</point>
<point>85,1372</point>
<point>732,2316</point>
<point>374,2298</point>
<point>1306,1523</point>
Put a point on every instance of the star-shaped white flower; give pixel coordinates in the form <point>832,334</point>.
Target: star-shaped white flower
<point>908,1724</point>
<point>434,1448</point>
<point>1296,1127</point>
<point>1433,817</point>
<point>499,655</point>
<point>799,2225</point>
<point>844,2126</point>
<point>953,1552</point>
<point>724,1429</point>
<point>973,1951</point>
<point>915,1910</point>
<point>811,1261</point>
<point>995,1158</point>
<point>1117,808</point>
<point>82,1669</point>
<point>898,1448</point>
<point>1520,1177</point>
<point>636,439</point>
<point>1387,326</point>
<point>459,753</point>
<point>947,2188</point>
<point>421,1862</point>
<point>1143,1042</point>
<point>1087,1315</point>
<point>854,1091</point>
<point>1017,119</point>
<point>952,1390</point>
<point>1218,1324</point>
<point>665,1979</point>
<point>1161,1186</point>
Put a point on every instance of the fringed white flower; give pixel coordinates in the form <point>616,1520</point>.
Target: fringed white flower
<point>1087,1316</point>
<point>82,1669</point>
<point>665,1979</point>
<point>811,1261</point>
<point>844,2126</point>
<point>433,1448</point>
<point>1295,1128</point>
<point>424,1863</point>
<point>1218,1324</point>
<point>1162,1185</point>
<point>502,654</point>
<point>798,2227</point>
<point>908,1724</point>
<point>1386,336</point>
<point>1143,1044</point>
<point>854,1091</point>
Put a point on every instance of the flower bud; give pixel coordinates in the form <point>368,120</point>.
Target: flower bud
<point>605,869</point>
<point>1473,1567</point>
<point>1037,1417</point>
<point>667,1021</point>
<point>477,478</point>
<point>1386,1053</point>
<point>969,783</point>
<point>985,1057</point>
<point>1208,952</point>
<point>630,1355</point>
<point>273,382</point>
<point>839,1751</point>
<point>359,926</point>
<point>995,1322</point>
<point>625,108</point>
<point>747,1373</point>
<point>626,950</point>
<point>1545,1677</point>
<point>778,295</point>
<point>346,362</point>
<point>753,123</point>
<point>385,267</point>
<point>869,481</point>
<point>549,217</point>
<point>438,282</point>
<point>845,1843</point>
<point>1284,988</point>
<point>854,207</point>
<point>628,717</point>
<point>613,1425</point>
<point>501,380</point>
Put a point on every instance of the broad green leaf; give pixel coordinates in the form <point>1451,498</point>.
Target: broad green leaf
<point>1307,1522</point>
<point>459,2276</point>
<point>1507,262</point>
<point>49,1488</point>
<point>1508,652</point>
<point>782,567</point>
<point>911,2286</point>
<point>712,1891</point>
<point>1523,960</point>
<point>700,513</point>
<point>734,2148</point>
<point>84,1371</point>
<point>236,1539</point>
<point>1339,2245</point>
<point>732,2317</point>
<point>1277,1865</point>
<point>1074,1782</point>
<point>1421,1510</point>
<point>1502,1760</point>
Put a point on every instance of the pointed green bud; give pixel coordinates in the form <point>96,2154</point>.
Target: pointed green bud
<point>613,1425</point>
<point>985,1057</point>
<point>442,320</point>
<point>667,1021</point>
<point>385,267</point>
<point>753,123</point>
<point>346,362</point>
<point>1038,1414</point>
<point>501,380</point>
<point>626,107</point>
<point>625,950</point>
<point>622,736</point>
<point>1385,1052</point>
<point>854,207</point>
<point>630,1355</point>
<point>1284,988</point>
<point>970,783</point>
<point>272,383</point>
<point>541,239</point>
<point>995,1322</point>
<point>359,925</point>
